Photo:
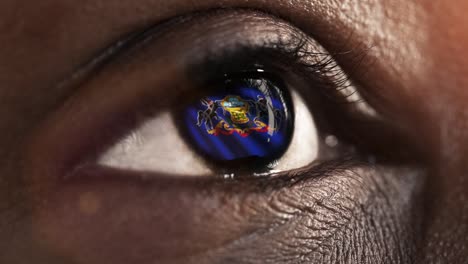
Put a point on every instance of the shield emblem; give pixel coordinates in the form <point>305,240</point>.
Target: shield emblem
<point>237,108</point>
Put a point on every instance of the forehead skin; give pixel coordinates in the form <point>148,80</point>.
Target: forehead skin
<point>418,49</point>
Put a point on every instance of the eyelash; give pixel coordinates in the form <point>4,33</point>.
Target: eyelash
<point>325,81</point>
<point>336,90</point>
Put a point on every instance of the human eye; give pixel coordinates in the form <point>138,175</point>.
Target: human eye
<point>264,102</point>
<point>246,114</point>
<point>247,123</point>
<point>212,127</point>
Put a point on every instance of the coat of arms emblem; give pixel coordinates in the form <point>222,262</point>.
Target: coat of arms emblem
<point>234,114</point>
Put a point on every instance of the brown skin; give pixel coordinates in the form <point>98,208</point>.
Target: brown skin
<point>387,214</point>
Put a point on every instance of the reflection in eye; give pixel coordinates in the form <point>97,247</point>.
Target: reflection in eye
<point>246,123</point>
<point>249,120</point>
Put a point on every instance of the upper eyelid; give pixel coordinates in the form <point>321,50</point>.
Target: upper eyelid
<point>264,32</point>
<point>123,50</point>
<point>143,47</point>
<point>138,37</point>
<point>133,39</point>
<point>298,44</point>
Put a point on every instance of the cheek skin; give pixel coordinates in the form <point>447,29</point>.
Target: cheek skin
<point>308,220</point>
<point>447,99</point>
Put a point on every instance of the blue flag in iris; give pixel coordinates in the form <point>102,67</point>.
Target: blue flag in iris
<point>240,122</point>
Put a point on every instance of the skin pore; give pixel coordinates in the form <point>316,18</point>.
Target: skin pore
<point>52,80</point>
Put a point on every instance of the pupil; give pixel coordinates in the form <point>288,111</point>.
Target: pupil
<point>245,122</point>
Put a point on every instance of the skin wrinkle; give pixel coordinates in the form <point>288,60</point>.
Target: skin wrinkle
<point>386,204</point>
<point>38,51</point>
<point>309,250</point>
<point>368,254</point>
<point>304,190</point>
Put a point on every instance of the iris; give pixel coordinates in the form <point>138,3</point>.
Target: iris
<point>244,120</point>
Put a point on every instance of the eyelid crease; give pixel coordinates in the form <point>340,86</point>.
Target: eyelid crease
<point>138,56</point>
<point>111,52</point>
<point>300,50</point>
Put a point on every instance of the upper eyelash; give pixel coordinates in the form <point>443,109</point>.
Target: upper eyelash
<point>342,83</point>
<point>298,51</point>
<point>341,90</point>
